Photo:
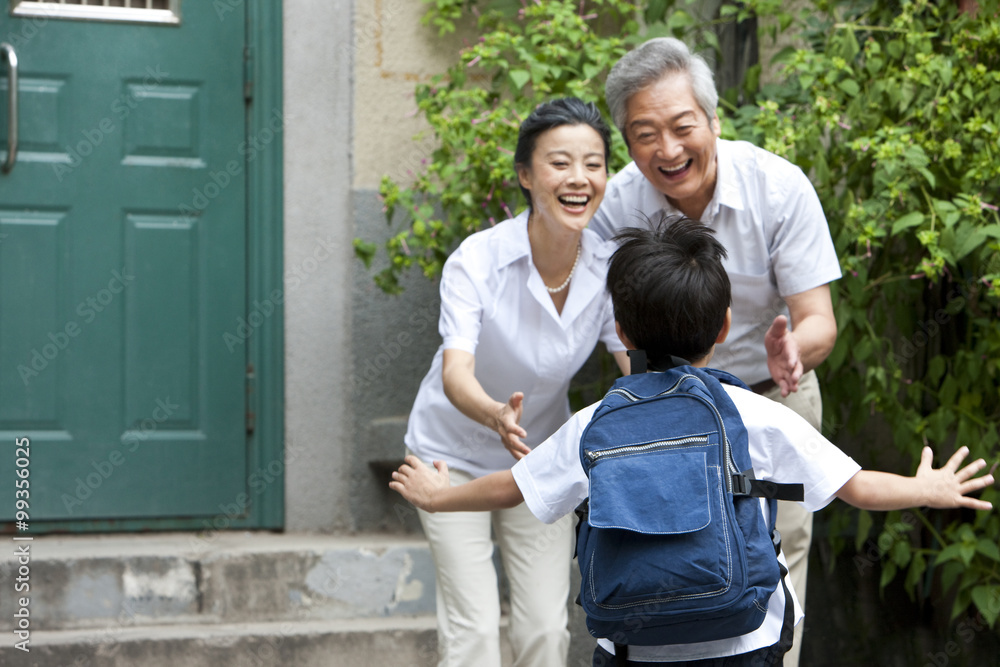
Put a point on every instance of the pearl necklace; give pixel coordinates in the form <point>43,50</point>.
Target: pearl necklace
<point>556,290</point>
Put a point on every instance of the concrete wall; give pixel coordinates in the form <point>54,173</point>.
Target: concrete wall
<point>392,337</point>
<point>354,356</point>
<point>317,243</point>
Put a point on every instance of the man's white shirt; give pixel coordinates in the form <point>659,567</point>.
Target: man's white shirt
<point>767,215</point>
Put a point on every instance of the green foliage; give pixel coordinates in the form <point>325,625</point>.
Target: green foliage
<point>525,55</point>
<point>895,114</point>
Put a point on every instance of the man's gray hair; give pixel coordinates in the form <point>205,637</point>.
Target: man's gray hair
<point>649,63</point>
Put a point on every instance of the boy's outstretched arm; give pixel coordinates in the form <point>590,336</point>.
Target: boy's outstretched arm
<point>431,490</point>
<point>942,488</point>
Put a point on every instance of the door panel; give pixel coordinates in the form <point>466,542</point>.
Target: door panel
<point>123,265</point>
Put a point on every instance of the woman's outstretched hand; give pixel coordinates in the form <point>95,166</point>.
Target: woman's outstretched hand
<point>508,426</point>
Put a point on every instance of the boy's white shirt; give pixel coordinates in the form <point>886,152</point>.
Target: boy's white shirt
<point>784,448</point>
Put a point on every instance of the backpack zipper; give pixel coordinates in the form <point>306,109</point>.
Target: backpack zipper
<point>629,396</point>
<point>594,456</point>
<point>727,454</point>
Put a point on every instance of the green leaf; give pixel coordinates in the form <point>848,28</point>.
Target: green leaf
<point>987,601</point>
<point>907,91</point>
<point>988,548</point>
<point>864,529</point>
<point>850,86</point>
<point>950,573</point>
<point>519,78</point>
<point>711,39</point>
<point>365,251</point>
<point>935,369</point>
<point>539,72</point>
<point>656,10</point>
<point>912,219</point>
<point>950,552</point>
<point>901,553</point>
<point>928,175</point>
<point>967,239</point>
<point>784,56</point>
<point>888,574</point>
<point>751,82</point>
<point>967,552</point>
<point>874,65</point>
<point>849,45</point>
<point>918,566</point>
<point>962,600</point>
<point>679,20</point>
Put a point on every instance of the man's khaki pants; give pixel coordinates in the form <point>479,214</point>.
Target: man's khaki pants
<point>794,522</point>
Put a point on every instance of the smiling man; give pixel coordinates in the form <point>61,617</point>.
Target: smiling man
<point>766,213</point>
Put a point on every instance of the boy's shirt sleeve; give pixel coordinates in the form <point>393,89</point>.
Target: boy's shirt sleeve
<point>551,478</point>
<point>785,448</point>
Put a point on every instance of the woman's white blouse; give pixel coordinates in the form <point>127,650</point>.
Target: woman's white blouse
<point>494,305</point>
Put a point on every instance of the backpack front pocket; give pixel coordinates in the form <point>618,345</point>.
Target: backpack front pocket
<point>681,514</point>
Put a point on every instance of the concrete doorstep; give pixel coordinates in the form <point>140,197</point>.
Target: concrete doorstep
<point>360,642</point>
<point>220,599</point>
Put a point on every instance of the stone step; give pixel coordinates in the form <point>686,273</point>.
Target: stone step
<point>377,642</point>
<point>95,582</point>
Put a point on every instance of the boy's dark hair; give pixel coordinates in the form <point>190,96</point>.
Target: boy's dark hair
<point>669,289</point>
<point>559,112</point>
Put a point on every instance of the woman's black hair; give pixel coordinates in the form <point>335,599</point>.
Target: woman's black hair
<point>559,112</point>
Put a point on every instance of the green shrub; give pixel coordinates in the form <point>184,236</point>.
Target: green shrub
<point>895,114</point>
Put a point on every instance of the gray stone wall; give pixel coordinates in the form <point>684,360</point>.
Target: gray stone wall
<point>393,339</point>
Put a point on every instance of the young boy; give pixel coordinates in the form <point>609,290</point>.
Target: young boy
<point>671,297</point>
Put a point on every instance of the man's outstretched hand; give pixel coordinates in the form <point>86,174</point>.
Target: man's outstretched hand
<point>783,359</point>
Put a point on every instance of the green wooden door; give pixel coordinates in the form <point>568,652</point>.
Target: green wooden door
<point>123,262</point>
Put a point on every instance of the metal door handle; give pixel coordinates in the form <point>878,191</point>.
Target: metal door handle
<point>8,51</point>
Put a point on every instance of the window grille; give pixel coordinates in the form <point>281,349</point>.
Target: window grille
<point>123,11</point>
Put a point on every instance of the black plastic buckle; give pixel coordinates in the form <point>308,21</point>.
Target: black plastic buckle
<point>741,485</point>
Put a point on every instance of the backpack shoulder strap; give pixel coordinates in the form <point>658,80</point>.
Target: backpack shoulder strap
<point>744,483</point>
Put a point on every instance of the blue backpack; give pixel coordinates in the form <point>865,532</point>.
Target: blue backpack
<point>673,548</point>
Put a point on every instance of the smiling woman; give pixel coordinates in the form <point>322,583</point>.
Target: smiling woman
<point>522,306</point>
<point>564,183</point>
